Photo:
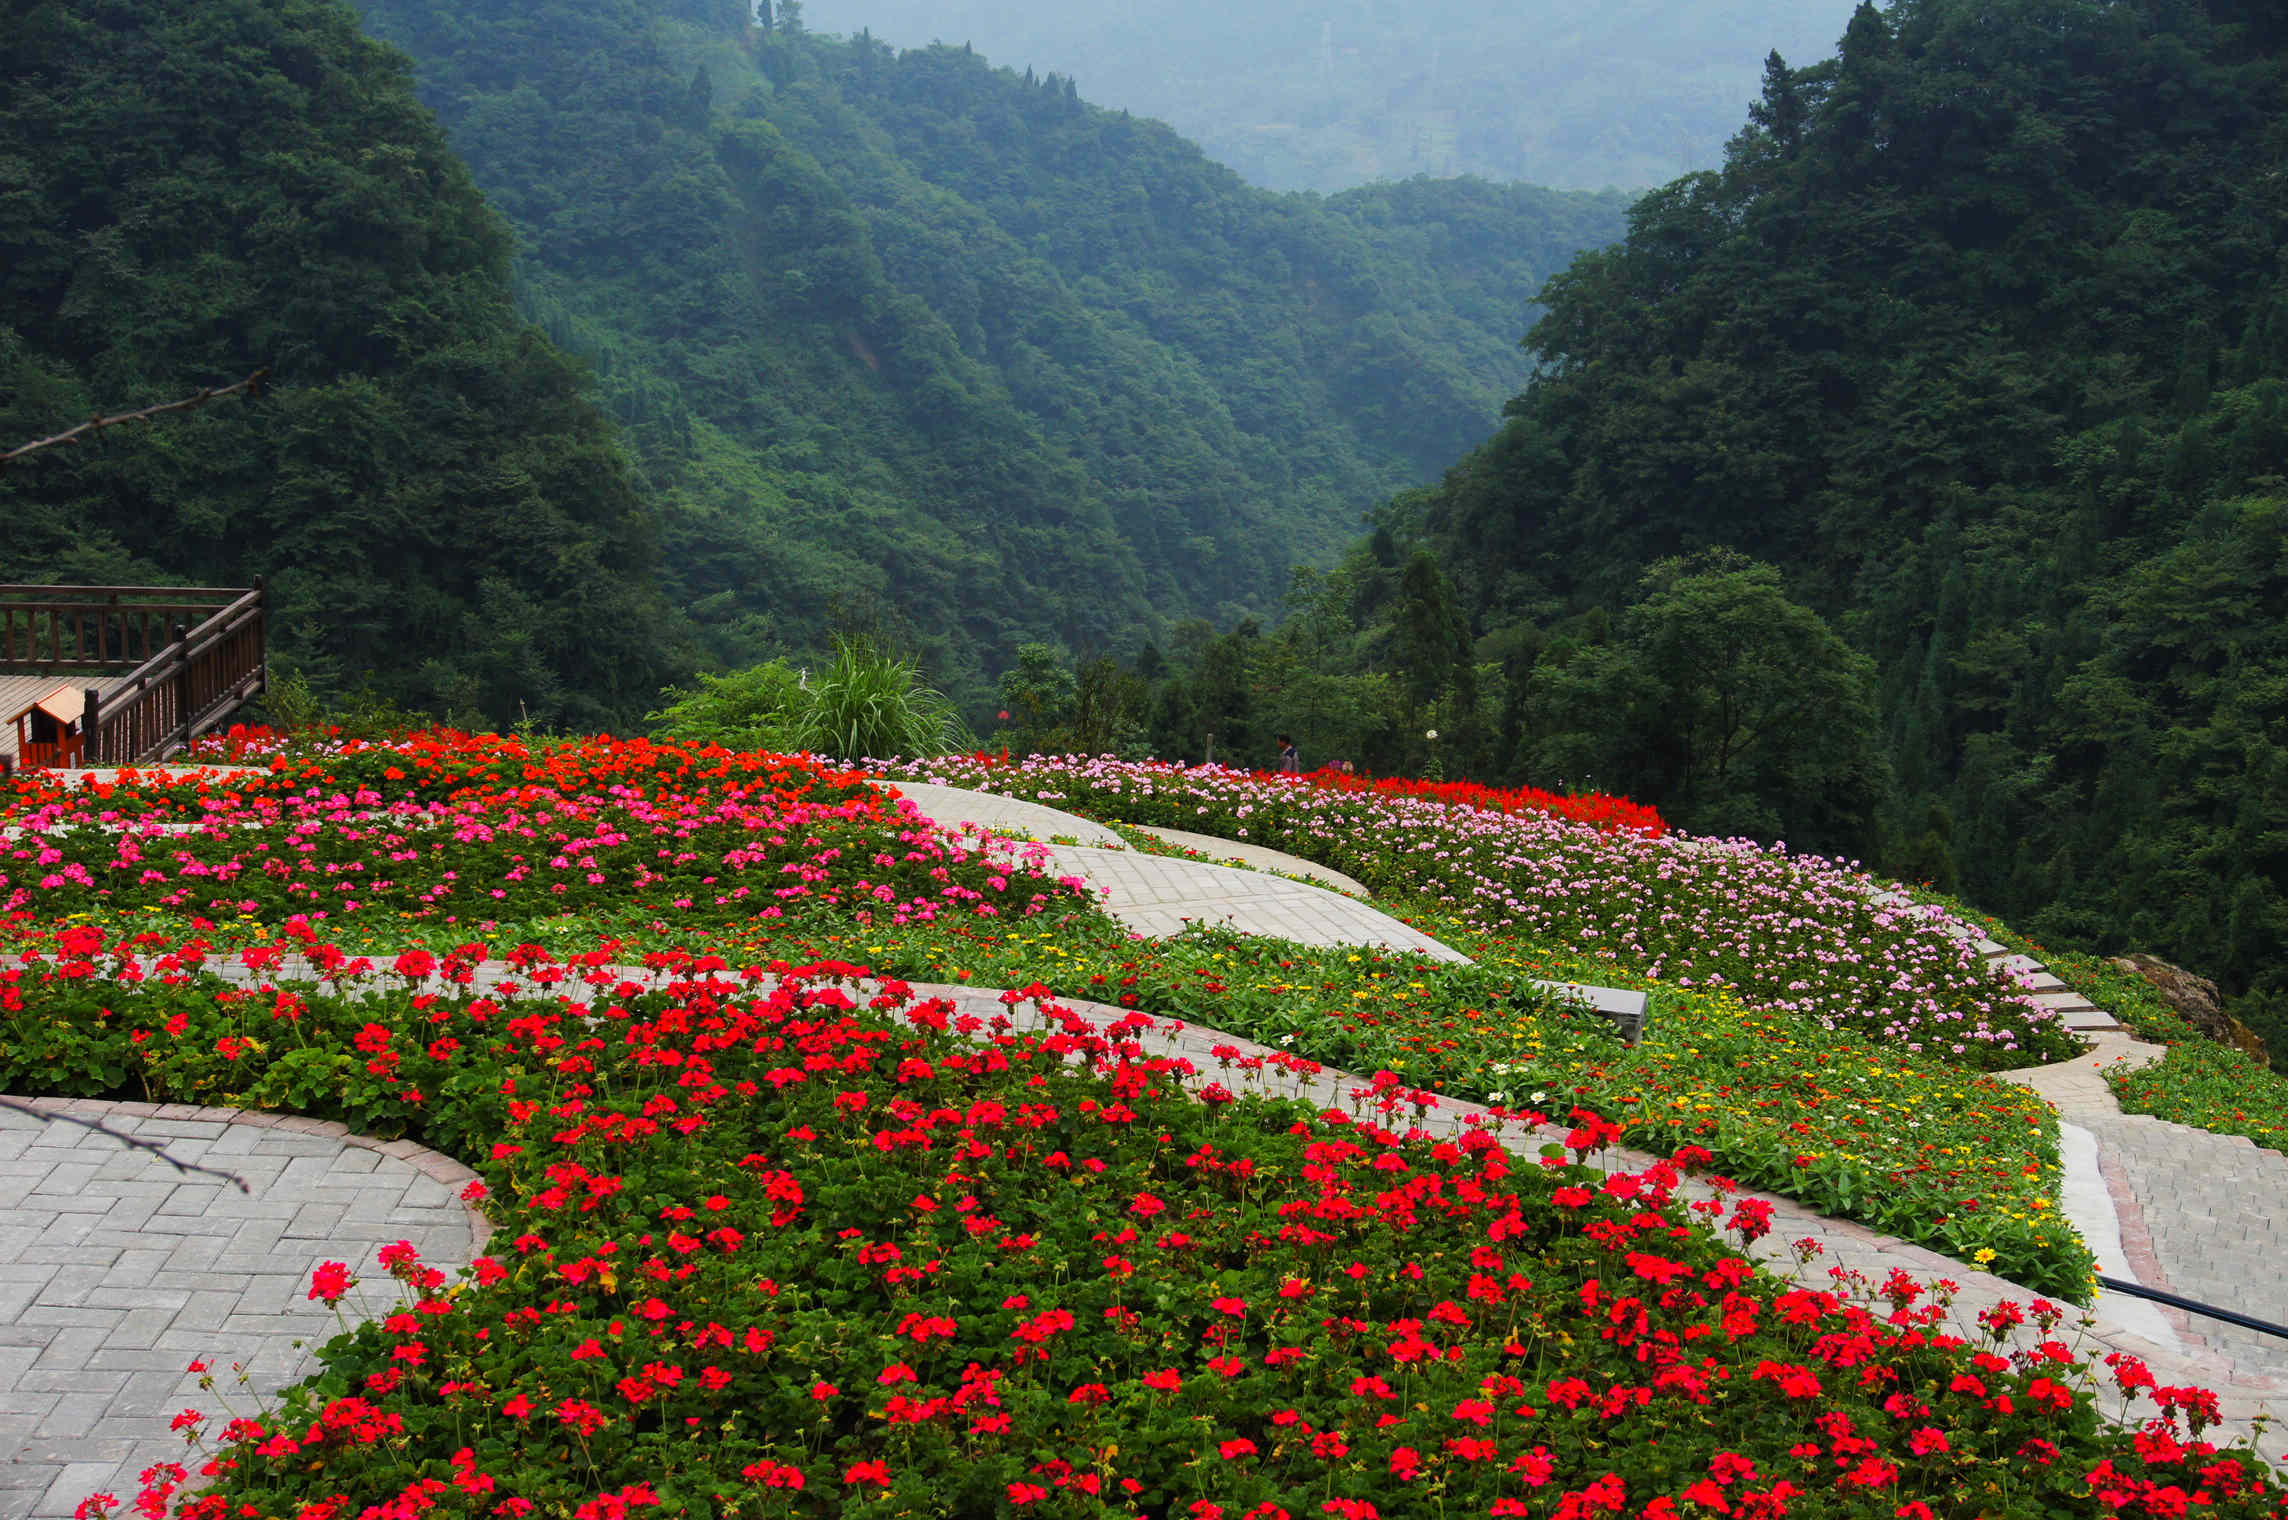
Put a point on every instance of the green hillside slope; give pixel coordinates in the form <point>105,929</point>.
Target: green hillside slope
<point>909,343</point>
<point>190,191</point>
<point>1980,336</point>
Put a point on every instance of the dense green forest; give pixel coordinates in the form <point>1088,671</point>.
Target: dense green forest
<point>908,344</point>
<point>194,189</point>
<point>898,344</point>
<point>1331,94</point>
<point>1913,486</point>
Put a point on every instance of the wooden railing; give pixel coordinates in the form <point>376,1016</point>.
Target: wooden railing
<point>190,656</point>
<point>66,629</point>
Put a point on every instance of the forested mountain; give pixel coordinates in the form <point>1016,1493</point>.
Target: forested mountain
<point>1980,338</point>
<point>900,343</point>
<point>194,189</point>
<point>1327,94</point>
<point>902,340</point>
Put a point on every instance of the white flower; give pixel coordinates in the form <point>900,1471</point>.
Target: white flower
<point>1430,733</point>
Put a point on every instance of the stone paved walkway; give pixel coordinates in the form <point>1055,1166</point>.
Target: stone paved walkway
<point>1158,895</point>
<point>117,1271</point>
<point>1258,857</point>
<point>2201,1215</point>
<point>1010,816</point>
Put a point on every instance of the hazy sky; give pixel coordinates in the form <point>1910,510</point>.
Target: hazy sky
<point>1322,94</point>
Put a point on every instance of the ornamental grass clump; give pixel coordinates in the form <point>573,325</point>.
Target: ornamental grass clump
<point>869,703</point>
<point>775,1244</point>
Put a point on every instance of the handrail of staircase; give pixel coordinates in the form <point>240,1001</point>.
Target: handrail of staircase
<point>174,696</point>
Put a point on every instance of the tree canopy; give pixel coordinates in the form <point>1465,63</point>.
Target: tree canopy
<point>190,192</point>
<point>909,345</point>
<point>1979,339</point>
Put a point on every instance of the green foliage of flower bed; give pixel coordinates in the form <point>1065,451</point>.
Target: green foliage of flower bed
<point>1796,935</point>
<point>1972,1171</point>
<point>1962,1162</point>
<point>478,832</point>
<point>2208,1086</point>
<point>760,1250</point>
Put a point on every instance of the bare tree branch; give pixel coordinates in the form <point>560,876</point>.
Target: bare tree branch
<point>251,385</point>
<point>133,1142</point>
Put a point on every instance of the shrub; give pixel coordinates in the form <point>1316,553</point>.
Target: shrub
<point>751,709</point>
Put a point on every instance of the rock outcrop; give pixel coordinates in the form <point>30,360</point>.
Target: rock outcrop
<point>2196,1000</point>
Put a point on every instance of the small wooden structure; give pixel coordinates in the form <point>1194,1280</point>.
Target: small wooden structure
<point>126,675</point>
<point>48,731</point>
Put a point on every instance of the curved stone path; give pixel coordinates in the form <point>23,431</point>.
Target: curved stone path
<point>2198,1214</point>
<point>115,1271</point>
<point>1258,857</point>
<point>1007,817</point>
<point>1158,895</point>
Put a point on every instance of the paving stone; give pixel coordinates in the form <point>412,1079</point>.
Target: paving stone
<point>73,1482</point>
<point>95,1340</point>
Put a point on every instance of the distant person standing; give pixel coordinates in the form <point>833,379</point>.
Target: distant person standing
<point>1290,763</point>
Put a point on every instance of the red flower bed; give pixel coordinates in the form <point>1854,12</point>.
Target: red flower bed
<point>447,825</point>
<point>1605,812</point>
<point>763,1249</point>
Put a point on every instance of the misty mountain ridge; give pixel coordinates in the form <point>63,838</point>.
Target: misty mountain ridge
<point>1337,93</point>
